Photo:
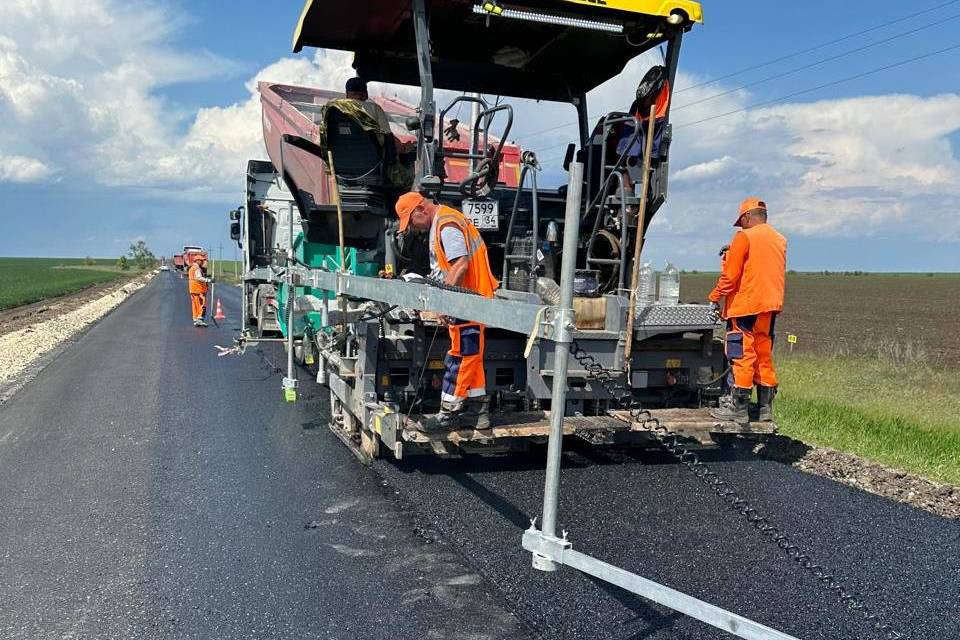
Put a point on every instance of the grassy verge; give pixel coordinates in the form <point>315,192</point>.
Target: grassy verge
<point>225,270</point>
<point>901,415</point>
<point>26,280</point>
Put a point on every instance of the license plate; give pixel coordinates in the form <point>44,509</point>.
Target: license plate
<point>484,214</point>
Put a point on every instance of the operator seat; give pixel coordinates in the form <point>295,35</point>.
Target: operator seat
<point>360,161</point>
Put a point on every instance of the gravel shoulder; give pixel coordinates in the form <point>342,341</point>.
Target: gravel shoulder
<point>940,499</point>
<point>17,318</point>
<point>50,326</point>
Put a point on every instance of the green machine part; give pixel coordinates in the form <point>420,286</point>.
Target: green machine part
<point>318,255</point>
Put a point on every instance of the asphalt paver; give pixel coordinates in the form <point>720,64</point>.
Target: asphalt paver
<point>151,489</point>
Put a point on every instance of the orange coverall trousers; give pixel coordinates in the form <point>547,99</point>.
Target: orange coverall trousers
<point>749,347</point>
<point>464,376</point>
<point>199,303</point>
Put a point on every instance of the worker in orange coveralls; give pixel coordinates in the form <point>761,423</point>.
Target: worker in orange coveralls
<point>458,257</point>
<point>197,285</point>
<point>752,283</point>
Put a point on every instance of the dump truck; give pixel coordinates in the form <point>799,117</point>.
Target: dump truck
<point>191,253</point>
<point>178,262</point>
<point>264,226</point>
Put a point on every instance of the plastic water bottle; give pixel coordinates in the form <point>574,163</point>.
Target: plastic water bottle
<point>646,286</point>
<point>548,290</point>
<point>669,285</point>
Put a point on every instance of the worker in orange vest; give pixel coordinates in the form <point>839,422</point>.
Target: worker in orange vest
<point>197,285</point>
<point>458,257</point>
<point>752,283</point>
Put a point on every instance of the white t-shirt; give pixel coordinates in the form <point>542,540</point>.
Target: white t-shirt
<point>454,246</point>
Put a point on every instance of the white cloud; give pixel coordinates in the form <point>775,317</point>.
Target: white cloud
<point>711,169</point>
<point>22,169</point>
<point>78,83</point>
<point>852,166</point>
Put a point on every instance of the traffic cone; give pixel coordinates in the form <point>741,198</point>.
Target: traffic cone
<point>219,314</point>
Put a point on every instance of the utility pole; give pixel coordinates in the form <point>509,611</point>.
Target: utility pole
<point>220,258</point>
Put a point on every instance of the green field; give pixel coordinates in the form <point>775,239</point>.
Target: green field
<point>26,280</point>
<point>225,270</point>
<point>905,416</point>
<point>875,368</point>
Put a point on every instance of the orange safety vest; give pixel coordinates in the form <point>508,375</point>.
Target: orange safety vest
<point>754,273</point>
<point>479,277</point>
<point>195,284</point>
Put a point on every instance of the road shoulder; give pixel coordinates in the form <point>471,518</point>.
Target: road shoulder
<point>25,352</point>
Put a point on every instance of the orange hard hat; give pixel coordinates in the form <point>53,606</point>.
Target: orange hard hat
<point>747,206</point>
<point>405,206</point>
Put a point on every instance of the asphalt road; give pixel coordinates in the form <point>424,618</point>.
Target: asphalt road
<point>150,489</point>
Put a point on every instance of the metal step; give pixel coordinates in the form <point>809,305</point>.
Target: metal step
<point>697,424</point>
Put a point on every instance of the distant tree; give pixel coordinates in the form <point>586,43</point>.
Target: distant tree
<point>123,264</point>
<point>89,261</point>
<point>141,255</point>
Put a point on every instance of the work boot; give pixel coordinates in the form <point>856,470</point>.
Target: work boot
<point>734,408</point>
<point>452,416</point>
<point>765,396</point>
<point>201,322</point>
<point>478,412</point>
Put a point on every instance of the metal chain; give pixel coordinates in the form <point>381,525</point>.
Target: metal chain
<point>670,441</point>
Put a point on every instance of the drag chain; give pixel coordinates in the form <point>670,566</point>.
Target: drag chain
<point>670,441</point>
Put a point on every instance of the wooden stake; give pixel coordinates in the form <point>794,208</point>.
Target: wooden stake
<point>343,252</point>
<point>641,222</point>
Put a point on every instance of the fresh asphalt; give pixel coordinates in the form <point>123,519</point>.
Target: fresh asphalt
<point>150,489</point>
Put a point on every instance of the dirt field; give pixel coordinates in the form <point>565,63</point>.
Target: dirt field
<point>903,318</point>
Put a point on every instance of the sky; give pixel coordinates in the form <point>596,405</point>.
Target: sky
<point>122,120</point>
